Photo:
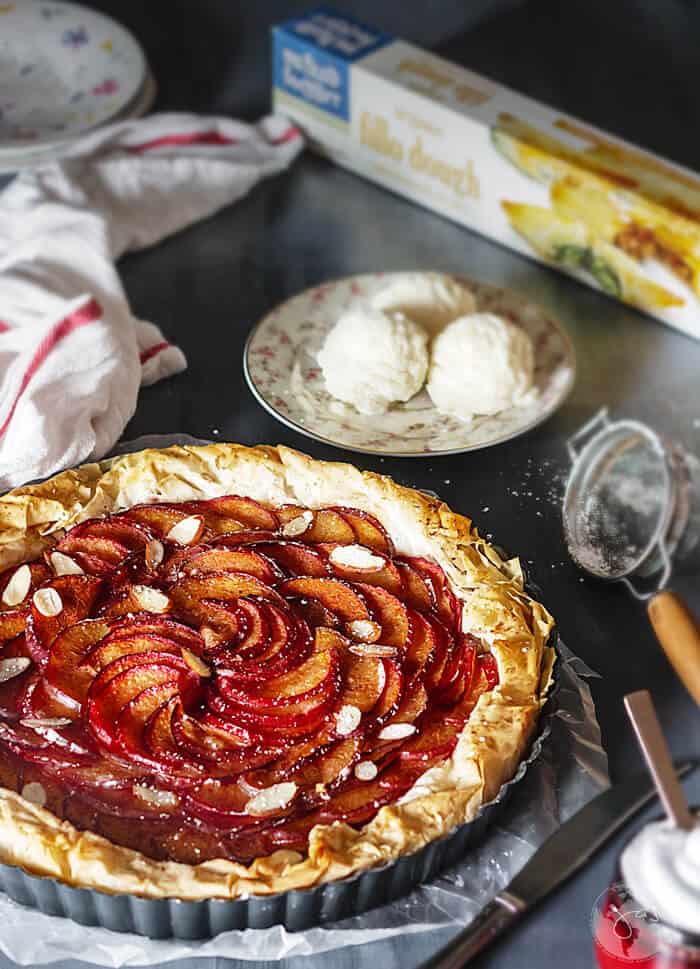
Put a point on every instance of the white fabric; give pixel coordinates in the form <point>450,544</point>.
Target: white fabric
<point>72,355</point>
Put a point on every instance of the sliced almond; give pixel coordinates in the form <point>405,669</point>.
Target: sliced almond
<point>271,799</point>
<point>48,602</point>
<point>186,531</point>
<point>396,731</point>
<point>194,662</point>
<point>347,719</point>
<point>210,636</point>
<point>364,630</point>
<point>151,600</point>
<point>9,668</point>
<point>18,587</point>
<point>34,792</point>
<point>356,557</point>
<point>153,795</point>
<point>154,553</point>
<point>64,564</point>
<point>37,723</point>
<point>373,649</point>
<point>366,770</point>
<point>297,526</point>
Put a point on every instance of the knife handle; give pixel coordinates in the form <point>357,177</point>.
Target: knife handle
<point>491,922</point>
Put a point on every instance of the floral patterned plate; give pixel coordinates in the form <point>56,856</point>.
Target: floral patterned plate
<point>15,161</point>
<point>63,70</point>
<point>280,366</point>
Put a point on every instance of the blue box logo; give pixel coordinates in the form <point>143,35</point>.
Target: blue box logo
<point>337,33</point>
<point>310,74</point>
<point>312,56</point>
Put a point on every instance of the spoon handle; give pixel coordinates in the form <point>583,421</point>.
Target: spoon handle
<point>679,635</point>
<point>641,712</point>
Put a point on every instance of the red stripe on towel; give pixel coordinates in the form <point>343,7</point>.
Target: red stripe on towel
<point>153,351</point>
<point>87,313</point>
<point>206,138</point>
<point>192,138</point>
<point>289,135</point>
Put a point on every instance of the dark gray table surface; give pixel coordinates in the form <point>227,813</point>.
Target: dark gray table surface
<point>610,64</point>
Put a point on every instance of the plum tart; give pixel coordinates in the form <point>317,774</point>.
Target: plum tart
<point>229,670</point>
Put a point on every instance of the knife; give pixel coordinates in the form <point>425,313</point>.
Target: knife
<point>560,857</point>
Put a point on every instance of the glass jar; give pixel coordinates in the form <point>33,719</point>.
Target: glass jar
<point>627,936</point>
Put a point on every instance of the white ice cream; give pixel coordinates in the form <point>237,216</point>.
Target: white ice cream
<point>431,299</point>
<point>661,868</point>
<point>481,364</point>
<point>372,359</point>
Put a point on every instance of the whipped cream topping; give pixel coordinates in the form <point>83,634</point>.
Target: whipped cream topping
<point>661,867</point>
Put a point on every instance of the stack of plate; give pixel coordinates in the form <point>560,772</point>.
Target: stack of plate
<point>64,70</point>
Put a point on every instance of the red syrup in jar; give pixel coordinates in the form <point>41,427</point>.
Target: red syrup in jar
<point>622,934</point>
<point>626,936</point>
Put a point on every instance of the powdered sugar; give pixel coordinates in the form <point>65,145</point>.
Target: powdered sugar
<point>620,508</point>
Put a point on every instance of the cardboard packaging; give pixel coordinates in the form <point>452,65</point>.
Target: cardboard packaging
<point>614,216</point>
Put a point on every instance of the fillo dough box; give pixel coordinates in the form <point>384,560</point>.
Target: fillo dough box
<point>616,217</point>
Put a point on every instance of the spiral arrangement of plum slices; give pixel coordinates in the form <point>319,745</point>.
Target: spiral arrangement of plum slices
<point>229,675</point>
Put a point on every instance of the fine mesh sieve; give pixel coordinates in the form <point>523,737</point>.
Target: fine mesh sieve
<point>632,502</point>
<point>619,501</point>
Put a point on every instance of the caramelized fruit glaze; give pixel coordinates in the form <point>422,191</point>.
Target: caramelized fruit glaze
<point>212,679</point>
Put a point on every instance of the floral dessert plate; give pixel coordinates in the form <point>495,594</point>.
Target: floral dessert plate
<point>63,70</point>
<point>14,161</point>
<point>283,374</point>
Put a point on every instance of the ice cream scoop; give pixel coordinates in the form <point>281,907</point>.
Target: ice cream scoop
<point>372,359</point>
<point>431,299</point>
<point>481,364</point>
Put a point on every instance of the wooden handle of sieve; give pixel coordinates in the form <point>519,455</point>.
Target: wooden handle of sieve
<point>678,633</point>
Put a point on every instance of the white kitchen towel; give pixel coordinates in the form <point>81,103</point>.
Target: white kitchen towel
<point>72,354</point>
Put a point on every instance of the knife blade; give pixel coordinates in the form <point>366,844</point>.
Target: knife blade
<point>560,857</point>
